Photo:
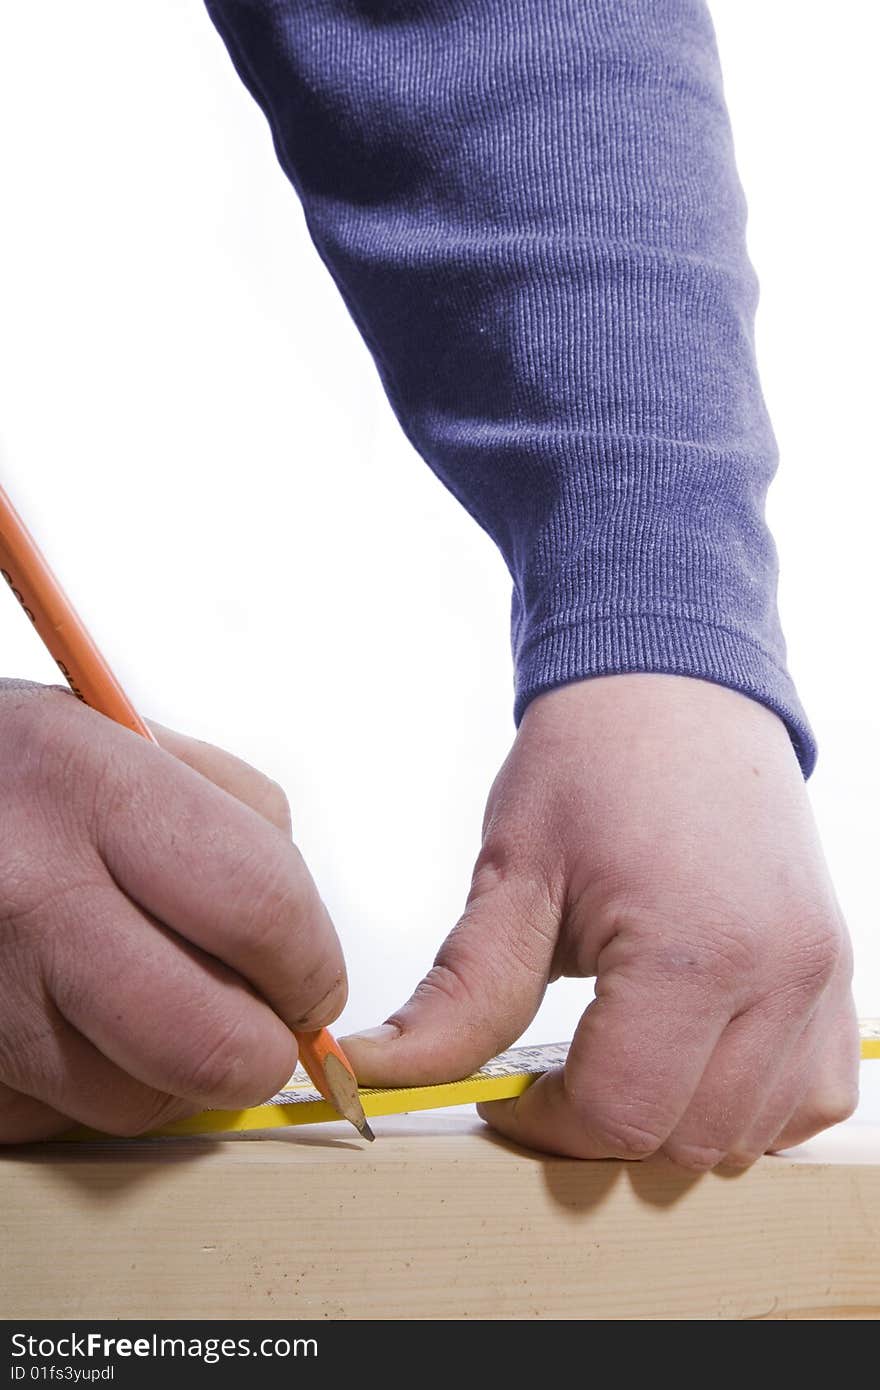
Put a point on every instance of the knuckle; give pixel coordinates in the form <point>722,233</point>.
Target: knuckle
<point>701,941</point>
<point>482,945</point>
<point>513,913</point>
<point>623,1139</point>
<point>698,1158</point>
<point>58,754</point>
<point>29,712</point>
<point>80,778</point>
<point>479,1031</point>
<point>445,982</point>
<point>470,969</point>
<point>288,931</point>
<point>725,955</point>
<point>507,862</point>
<point>35,915</point>
<point>215,1067</point>
<point>833,1109</point>
<point>818,1112</point>
<point>494,865</point>
<point>711,966</point>
<point>740,1159</point>
<point>46,792</point>
<point>620,1134</point>
<point>277,897</point>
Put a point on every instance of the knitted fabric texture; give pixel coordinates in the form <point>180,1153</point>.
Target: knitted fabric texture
<point>532,211</point>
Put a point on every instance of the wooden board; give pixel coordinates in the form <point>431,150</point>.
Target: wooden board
<point>437,1219</point>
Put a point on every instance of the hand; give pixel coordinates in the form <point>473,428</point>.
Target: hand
<point>653,831</point>
<point>159,933</point>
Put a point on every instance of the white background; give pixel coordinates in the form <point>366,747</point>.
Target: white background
<point>195,432</point>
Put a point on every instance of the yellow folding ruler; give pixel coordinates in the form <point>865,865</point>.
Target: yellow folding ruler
<point>507,1075</point>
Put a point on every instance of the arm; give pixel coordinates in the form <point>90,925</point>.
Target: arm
<point>532,210</point>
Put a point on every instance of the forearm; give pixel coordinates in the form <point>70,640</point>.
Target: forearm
<point>532,210</point>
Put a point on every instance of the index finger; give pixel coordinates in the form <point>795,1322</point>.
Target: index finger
<point>223,877</point>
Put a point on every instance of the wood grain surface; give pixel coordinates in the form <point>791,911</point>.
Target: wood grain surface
<point>437,1219</point>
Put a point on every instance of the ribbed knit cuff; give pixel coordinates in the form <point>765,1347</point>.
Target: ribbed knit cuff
<point>613,644</point>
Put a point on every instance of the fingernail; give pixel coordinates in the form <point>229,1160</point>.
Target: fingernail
<point>384,1033</point>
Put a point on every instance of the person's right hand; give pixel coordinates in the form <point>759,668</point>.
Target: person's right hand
<point>160,935</point>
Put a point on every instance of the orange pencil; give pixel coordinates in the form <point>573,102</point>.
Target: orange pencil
<point>29,577</point>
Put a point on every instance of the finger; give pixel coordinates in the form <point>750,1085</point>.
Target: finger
<point>482,991</point>
<point>819,1086</point>
<point>167,1014</point>
<point>789,1086</point>
<point>225,770</point>
<point>831,1092</point>
<point>749,1073</point>
<point>57,1078</point>
<point>215,871</point>
<point>635,1060</point>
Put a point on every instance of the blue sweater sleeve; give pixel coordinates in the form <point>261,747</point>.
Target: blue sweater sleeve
<point>532,211</point>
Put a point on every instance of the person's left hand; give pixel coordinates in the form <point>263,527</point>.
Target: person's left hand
<point>653,831</point>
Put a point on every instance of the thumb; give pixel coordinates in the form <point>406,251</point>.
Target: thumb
<point>483,990</point>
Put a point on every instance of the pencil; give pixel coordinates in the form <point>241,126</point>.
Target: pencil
<point>68,642</point>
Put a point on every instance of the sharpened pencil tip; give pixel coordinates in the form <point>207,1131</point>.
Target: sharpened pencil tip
<point>343,1090</point>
